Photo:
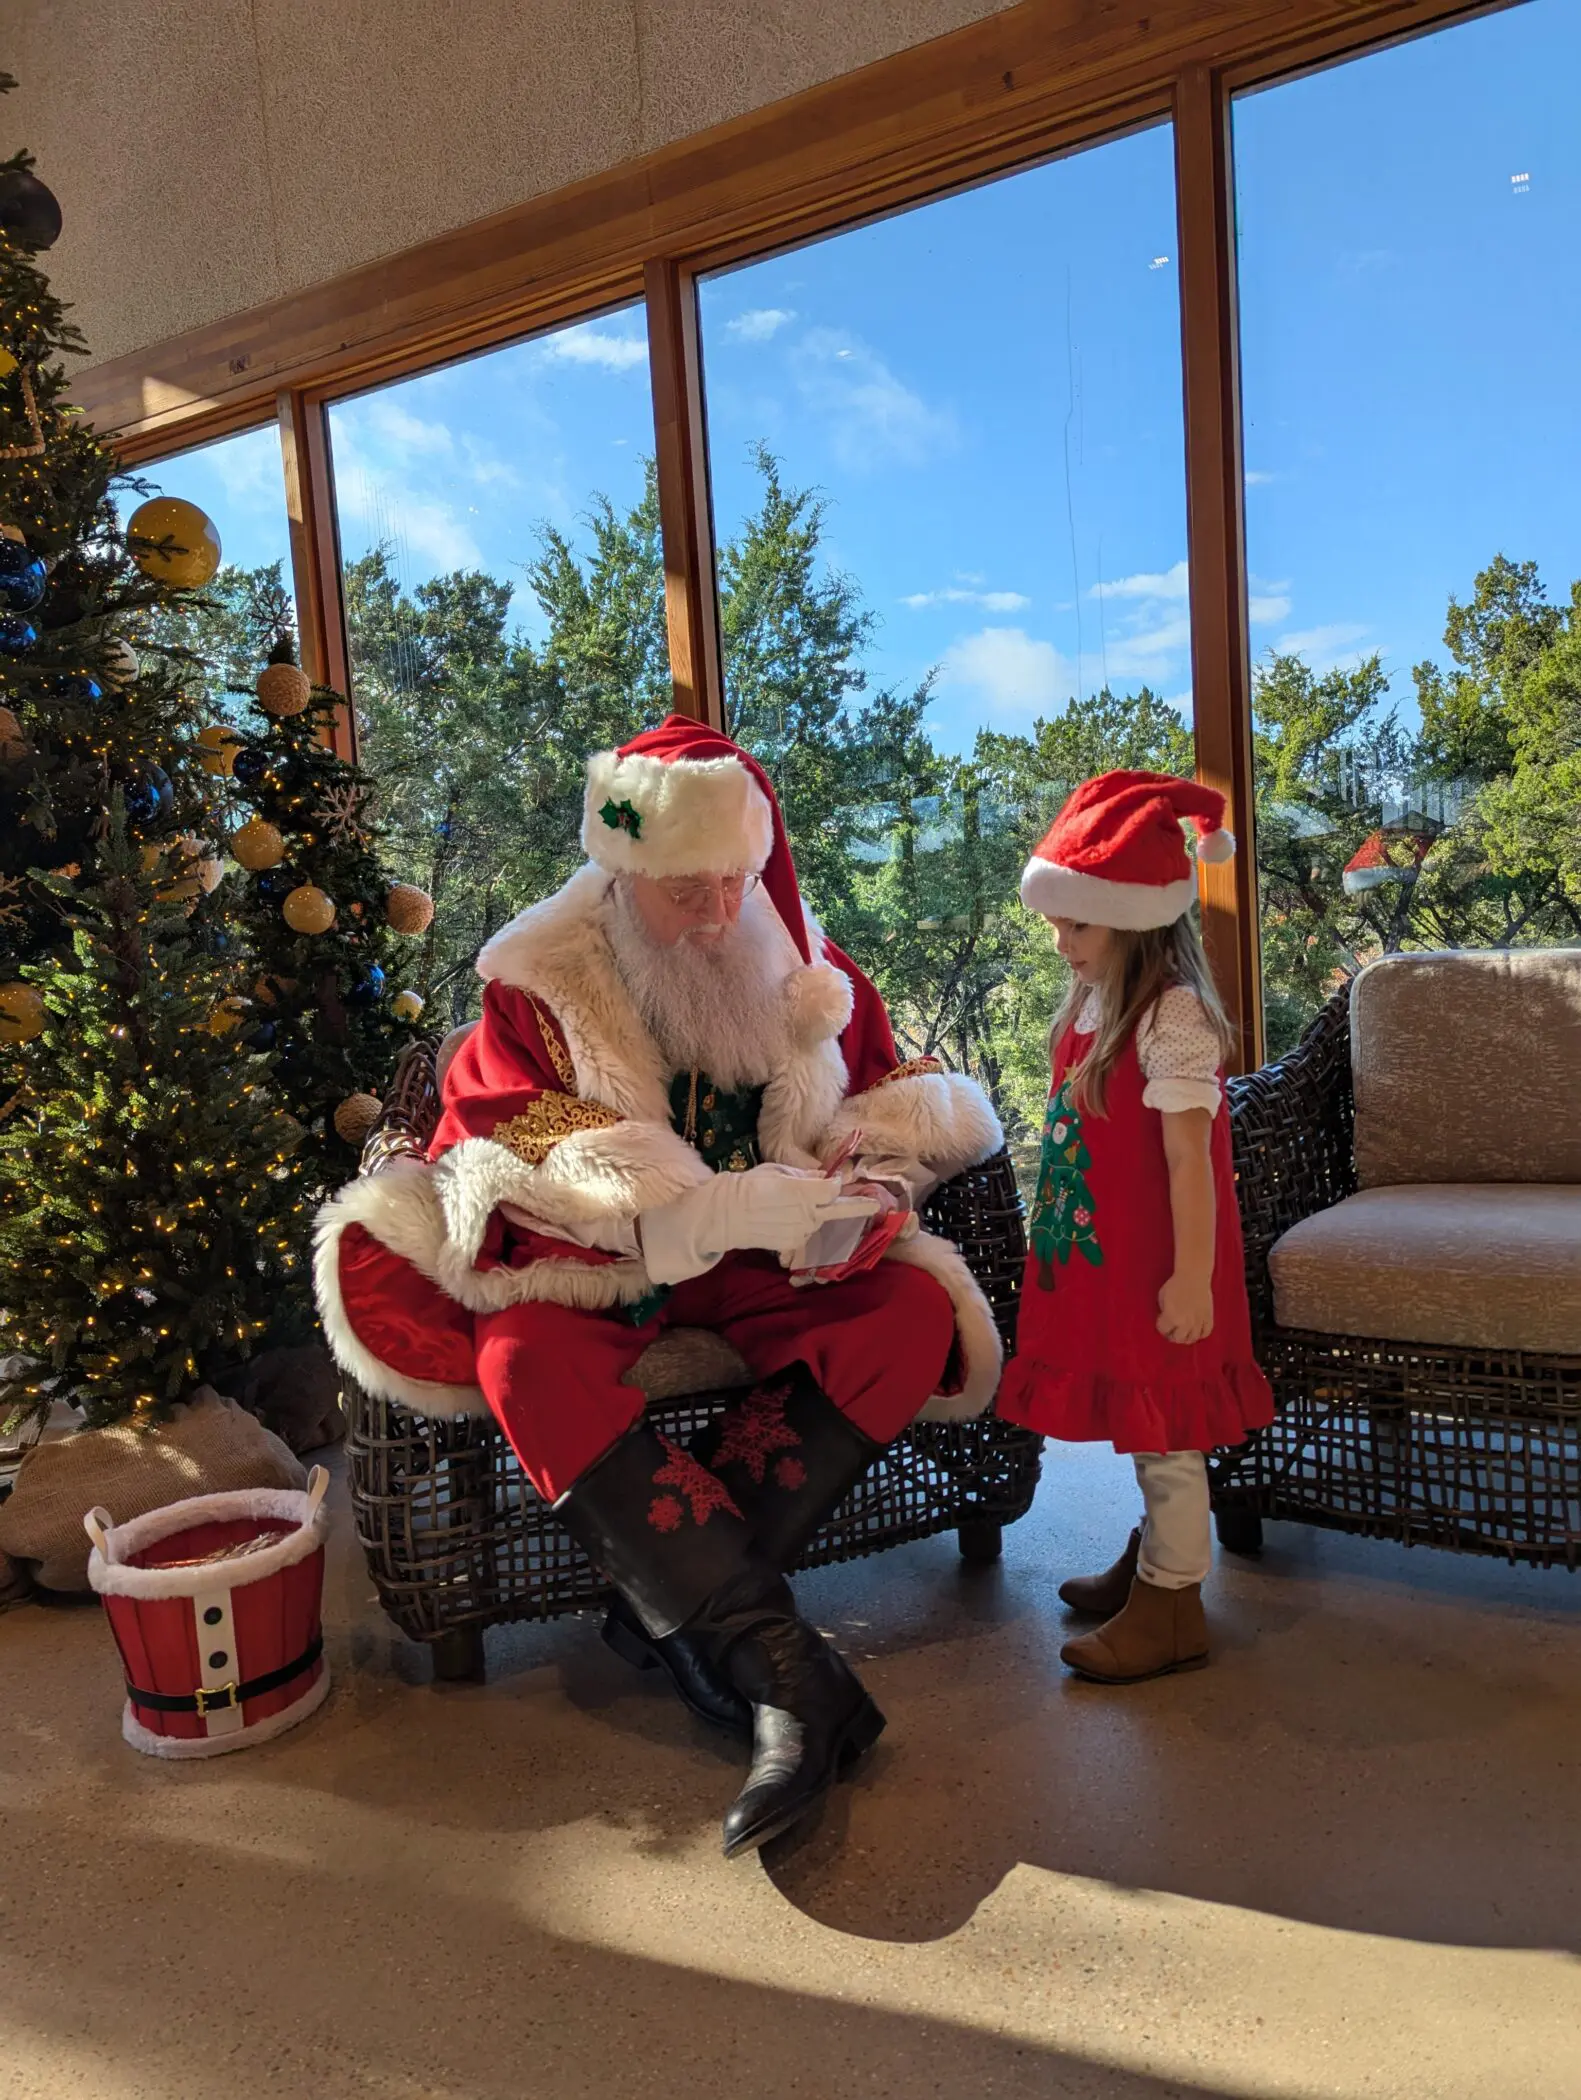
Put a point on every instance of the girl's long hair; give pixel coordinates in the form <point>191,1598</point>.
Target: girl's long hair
<point>1142,967</point>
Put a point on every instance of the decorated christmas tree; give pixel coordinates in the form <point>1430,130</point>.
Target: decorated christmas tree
<point>145,1175</point>
<point>1064,1216</point>
<point>319,919</point>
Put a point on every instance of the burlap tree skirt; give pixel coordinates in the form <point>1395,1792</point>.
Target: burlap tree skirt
<point>208,1446</point>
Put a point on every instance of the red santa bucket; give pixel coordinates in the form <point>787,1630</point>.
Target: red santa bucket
<point>215,1605</point>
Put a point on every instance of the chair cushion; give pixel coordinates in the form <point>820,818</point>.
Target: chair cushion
<point>687,1360</point>
<point>1465,1067</point>
<point>1472,1264</point>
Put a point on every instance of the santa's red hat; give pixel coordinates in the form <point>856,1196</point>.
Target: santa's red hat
<point>1116,856</point>
<point>683,799</point>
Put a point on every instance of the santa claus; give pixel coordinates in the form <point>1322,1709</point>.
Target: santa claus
<point>682,1107</point>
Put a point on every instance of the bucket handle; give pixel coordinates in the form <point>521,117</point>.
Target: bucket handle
<point>317,1489</point>
<point>98,1524</point>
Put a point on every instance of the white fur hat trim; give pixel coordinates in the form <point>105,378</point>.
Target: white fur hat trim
<point>1063,893</point>
<point>691,816</point>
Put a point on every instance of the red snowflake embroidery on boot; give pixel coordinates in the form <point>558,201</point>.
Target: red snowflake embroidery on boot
<point>703,1491</point>
<point>754,1430</point>
<point>790,1473</point>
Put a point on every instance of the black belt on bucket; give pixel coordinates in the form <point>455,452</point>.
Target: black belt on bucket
<point>220,1698</point>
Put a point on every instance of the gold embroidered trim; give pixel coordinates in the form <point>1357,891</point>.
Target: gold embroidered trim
<point>533,1135</point>
<point>913,1068</point>
<point>564,1070</point>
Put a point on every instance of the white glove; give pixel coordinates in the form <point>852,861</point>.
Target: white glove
<point>772,1207</point>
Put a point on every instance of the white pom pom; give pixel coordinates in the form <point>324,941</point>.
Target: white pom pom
<point>819,999</point>
<point>1214,846</point>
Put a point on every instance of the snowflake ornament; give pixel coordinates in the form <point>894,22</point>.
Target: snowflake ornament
<point>340,812</point>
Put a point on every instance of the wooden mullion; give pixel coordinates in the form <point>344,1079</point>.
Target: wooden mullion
<point>691,600</point>
<point>1215,524</point>
<point>315,555</point>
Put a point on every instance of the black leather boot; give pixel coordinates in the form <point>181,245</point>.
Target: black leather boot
<point>666,1533</point>
<point>788,1457</point>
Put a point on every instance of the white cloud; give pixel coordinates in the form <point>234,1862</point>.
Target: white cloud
<point>589,345</point>
<point>1256,478</point>
<point>1144,653</point>
<point>1171,583</point>
<point>1007,672</point>
<point>1265,609</point>
<point>1324,648</point>
<point>990,601</point>
<point>396,431</point>
<point>871,414</point>
<point>760,324</point>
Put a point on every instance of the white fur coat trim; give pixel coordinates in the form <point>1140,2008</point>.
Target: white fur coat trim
<point>982,1352</point>
<point>144,1739</point>
<point>941,1118</point>
<point>109,1575</point>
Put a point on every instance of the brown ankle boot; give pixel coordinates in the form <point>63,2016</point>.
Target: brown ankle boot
<point>1157,1631</point>
<point>1101,1596</point>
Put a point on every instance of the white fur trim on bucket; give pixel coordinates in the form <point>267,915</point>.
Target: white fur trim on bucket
<point>114,1544</point>
<point>693,816</point>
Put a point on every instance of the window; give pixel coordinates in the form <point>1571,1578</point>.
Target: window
<point>1410,335</point>
<point>239,482</point>
<point>505,613</point>
<point>948,479</point>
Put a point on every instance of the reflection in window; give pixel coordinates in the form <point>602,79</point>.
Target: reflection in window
<point>949,500</point>
<point>1410,337</point>
<point>240,482</point>
<point>505,611</point>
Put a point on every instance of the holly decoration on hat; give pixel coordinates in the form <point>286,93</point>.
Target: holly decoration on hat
<point>1064,1216</point>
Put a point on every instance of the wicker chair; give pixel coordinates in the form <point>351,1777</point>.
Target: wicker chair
<point>457,1539</point>
<point>1473,1449</point>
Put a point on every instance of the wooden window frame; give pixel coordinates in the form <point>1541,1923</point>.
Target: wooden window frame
<point>1033,83</point>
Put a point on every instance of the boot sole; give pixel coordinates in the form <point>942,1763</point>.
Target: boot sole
<point>858,1736</point>
<point>1190,1662</point>
<point>626,1642</point>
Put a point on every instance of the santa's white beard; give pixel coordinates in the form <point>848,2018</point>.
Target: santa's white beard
<point>714,1005</point>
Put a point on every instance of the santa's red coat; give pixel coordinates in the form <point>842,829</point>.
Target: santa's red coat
<point>557,1105</point>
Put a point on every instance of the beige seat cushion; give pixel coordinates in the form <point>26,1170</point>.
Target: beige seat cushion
<point>1476,1264</point>
<point>1467,1067</point>
<point>687,1360</point>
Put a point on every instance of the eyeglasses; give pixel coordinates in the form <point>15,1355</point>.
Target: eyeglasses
<point>698,893</point>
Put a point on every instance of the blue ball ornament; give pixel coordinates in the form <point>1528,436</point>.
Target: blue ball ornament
<point>274,885</point>
<point>251,765</point>
<point>22,577</point>
<point>72,685</point>
<point>17,635</point>
<point>263,1036</point>
<point>369,988</point>
<point>142,801</point>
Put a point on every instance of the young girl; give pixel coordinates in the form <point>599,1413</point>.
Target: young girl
<point>1134,1323</point>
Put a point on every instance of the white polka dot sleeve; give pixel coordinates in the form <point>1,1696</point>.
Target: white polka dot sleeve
<point>1178,1049</point>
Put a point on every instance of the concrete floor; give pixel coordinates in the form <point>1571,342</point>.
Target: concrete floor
<point>1343,1861</point>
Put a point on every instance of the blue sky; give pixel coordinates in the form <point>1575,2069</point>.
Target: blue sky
<point>986,392</point>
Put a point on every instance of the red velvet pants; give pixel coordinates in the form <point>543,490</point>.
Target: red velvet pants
<point>877,1344</point>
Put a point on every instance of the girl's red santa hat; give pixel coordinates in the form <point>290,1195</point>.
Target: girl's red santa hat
<point>683,799</point>
<point>1116,855</point>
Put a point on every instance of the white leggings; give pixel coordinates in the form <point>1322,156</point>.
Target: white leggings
<point>1177,1545</point>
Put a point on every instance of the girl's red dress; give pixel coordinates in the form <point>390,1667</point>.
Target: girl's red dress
<point>1090,1362</point>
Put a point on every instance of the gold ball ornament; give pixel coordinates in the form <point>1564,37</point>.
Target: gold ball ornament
<point>13,532</point>
<point>409,909</point>
<point>149,857</point>
<point>21,1012</point>
<point>407,1006</point>
<point>227,1017</point>
<point>356,1116</point>
<point>258,845</point>
<point>193,554</point>
<point>217,748</point>
<point>13,744</point>
<point>308,910</point>
<point>284,690</point>
<point>269,991</point>
<point>7,363</point>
